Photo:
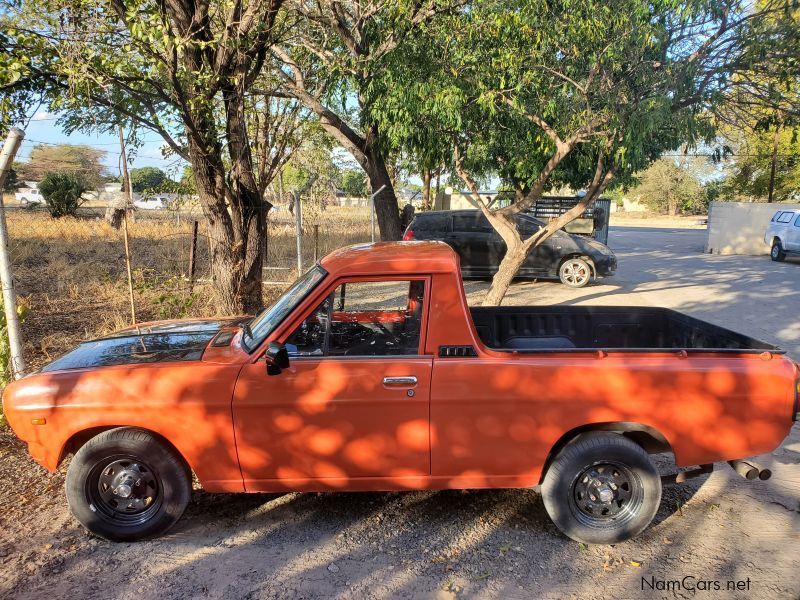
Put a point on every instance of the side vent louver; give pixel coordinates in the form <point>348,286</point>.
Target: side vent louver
<point>456,351</point>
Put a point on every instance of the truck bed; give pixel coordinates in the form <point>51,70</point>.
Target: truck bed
<point>564,328</point>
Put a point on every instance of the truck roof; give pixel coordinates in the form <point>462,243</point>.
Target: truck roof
<point>391,257</point>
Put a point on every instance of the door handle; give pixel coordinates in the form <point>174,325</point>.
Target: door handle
<point>400,380</point>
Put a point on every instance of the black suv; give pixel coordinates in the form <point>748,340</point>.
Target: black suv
<point>573,259</point>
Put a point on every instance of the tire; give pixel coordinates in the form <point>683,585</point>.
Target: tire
<point>576,507</point>
<point>777,253</point>
<point>103,492</point>
<point>575,272</point>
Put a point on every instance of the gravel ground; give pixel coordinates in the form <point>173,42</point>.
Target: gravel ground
<point>717,531</point>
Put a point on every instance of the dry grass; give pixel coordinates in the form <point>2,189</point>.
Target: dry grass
<point>70,273</point>
<point>649,219</point>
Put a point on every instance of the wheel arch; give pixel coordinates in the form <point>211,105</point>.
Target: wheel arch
<point>80,438</point>
<point>580,255</point>
<point>649,438</point>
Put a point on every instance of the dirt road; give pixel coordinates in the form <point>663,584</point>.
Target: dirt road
<point>715,537</point>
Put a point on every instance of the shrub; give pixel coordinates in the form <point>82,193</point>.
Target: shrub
<point>62,192</point>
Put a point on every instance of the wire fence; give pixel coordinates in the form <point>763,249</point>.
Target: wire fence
<point>70,273</point>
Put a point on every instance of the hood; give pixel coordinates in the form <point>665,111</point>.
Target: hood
<point>149,343</point>
<point>588,245</point>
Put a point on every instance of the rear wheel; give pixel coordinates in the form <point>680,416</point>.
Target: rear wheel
<point>601,489</point>
<point>575,272</point>
<point>777,253</point>
<point>126,484</point>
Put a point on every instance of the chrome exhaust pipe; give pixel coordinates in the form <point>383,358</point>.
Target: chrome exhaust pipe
<point>750,470</point>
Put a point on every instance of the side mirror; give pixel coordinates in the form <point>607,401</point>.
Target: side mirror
<point>277,358</point>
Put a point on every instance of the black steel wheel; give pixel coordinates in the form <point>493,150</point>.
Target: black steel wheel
<point>601,488</point>
<point>126,484</point>
<point>776,253</point>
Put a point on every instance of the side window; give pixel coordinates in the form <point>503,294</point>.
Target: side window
<point>471,223</point>
<point>431,222</point>
<point>785,217</point>
<point>526,226</point>
<point>797,221</point>
<point>363,318</point>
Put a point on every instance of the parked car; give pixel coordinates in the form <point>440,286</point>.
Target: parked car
<point>371,373</point>
<point>152,203</point>
<point>573,259</point>
<point>29,197</point>
<point>783,234</point>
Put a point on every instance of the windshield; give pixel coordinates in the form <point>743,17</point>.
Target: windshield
<point>266,322</point>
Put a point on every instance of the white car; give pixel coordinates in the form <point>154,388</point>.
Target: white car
<point>29,196</point>
<point>783,234</point>
<point>152,203</point>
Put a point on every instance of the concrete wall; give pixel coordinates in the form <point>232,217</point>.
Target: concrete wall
<point>739,227</point>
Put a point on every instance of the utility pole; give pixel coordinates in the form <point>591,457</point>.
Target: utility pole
<point>17,362</point>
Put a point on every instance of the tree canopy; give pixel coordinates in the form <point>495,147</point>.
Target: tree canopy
<point>578,92</point>
<point>147,178</point>
<point>64,158</point>
<point>537,94</point>
<point>671,187</point>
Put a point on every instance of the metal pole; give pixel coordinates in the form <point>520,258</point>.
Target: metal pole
<point>17,362</point>
<point>298,226</point>
<point>128,265</point>
<point>316,243</point>
<point>126,181</point>
<point>372,210</point>
<point>192,253</point>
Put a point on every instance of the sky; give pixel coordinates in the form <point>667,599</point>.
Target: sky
<point>43,128</point>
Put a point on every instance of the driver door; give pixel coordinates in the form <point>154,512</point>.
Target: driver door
<point>353,404</point>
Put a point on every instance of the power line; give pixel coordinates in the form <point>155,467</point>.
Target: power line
<point>30,141</point>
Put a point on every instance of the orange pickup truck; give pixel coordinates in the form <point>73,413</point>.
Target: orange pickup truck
<point>372,373</point>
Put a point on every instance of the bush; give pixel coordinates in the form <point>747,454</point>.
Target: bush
<point>62,192</point>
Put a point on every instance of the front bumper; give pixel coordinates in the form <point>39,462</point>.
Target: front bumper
<point>604,265</point>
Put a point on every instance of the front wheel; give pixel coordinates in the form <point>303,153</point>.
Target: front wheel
<point>575,272</point>
<point>777,254</point>
<point>126,484</point>
<point>601,488</point>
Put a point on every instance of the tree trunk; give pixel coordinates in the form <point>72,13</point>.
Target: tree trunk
<point>387,210</point>
<point>237,235</point>
<point>426,189</point>
<point>509,266</point>
<point>773,164</point>
<point>673,208</point>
